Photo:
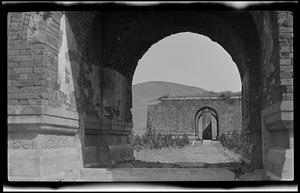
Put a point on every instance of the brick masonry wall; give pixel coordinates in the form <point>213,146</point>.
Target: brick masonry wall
<point>32,72</point>
<point>178,116</point>
<point>286,53</point>
<point>276,35</point>
<point>278,134</point>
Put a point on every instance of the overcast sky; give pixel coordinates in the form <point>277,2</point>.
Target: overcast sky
<point>189,59</point>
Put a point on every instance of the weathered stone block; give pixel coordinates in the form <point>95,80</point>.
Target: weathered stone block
<point>118,152</point>
<point>23,96</point>
<point>38,102</point>
<point>287,96</point>
<point>12,76</point>
<point>286,68</point>
<point>90,156</point>
<point>286,74</point>
<point>12,102</point>
<point>12,52</point>
<point>286,81</point>
<point>286,55</point>
<point>285,61</point>
<point>280,167</point>
<point>20,58</point>
<point>23,70</point>
<point>24,52</point>
<point>285,49</point>
<point>285,29</point>
<point>22,83</point>
<point>24,163</point>
<point>23,76</point>
<point>26,63</point>
<point>13,64</point>
<point>289,88</point>
<point>23,102</point>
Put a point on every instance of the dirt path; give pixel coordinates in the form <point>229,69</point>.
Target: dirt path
<point>194,158</point>
<point>208,153</point>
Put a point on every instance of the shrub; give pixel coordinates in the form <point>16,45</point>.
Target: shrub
<point>153,140</point>
<point>232,141</point>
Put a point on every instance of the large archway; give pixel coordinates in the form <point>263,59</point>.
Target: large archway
<point>142,29</point>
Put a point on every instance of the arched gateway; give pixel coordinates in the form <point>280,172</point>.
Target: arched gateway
<point>206,124</point>
<point>70,76</point>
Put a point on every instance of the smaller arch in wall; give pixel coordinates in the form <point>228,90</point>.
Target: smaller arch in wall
<point>206,124</point>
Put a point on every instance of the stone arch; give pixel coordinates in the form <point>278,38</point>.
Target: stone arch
<point>198,115</point>
<point>251,51</point>
<point>134,32</point>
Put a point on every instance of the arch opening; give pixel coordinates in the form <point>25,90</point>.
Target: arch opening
<point>206,124</point>
<point>127,43</point>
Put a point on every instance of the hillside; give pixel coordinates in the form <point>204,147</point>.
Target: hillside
<point>152,90</point>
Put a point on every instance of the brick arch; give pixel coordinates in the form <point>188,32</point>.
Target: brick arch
<point>125,36</point>
<point>150,29</point>
<point>133,33</point>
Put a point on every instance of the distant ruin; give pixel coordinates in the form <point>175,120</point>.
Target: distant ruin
<point>199,117</point>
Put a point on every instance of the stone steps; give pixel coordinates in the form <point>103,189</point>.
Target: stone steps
<point>156,174</point>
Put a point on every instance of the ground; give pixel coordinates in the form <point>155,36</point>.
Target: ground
<point>196,156</point>
<point>208,153</point>
<point>194,162</point>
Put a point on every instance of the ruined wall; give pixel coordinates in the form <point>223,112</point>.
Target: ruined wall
<point>178,116</point>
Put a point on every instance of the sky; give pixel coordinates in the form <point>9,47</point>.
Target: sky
<point>190,59</point>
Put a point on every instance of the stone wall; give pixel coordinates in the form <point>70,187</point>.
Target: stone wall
<point>277,114</point>
<point>178,116</point>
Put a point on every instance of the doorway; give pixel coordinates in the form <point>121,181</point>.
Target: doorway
<point>207,127</point>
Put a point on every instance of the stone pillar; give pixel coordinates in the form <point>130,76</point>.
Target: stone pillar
<point>277,118</point>
<point>43,123</point>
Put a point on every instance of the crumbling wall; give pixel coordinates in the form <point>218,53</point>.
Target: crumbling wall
<point>178,116</point>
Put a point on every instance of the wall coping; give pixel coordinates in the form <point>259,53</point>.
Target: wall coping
<point>192,98</point>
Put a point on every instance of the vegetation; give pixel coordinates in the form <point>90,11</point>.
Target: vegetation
<point>163,96</point>
<point>153,140</point>
<point>232,141</point>
<point>227,96</point>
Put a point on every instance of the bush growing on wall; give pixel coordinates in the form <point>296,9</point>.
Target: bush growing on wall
<point>153,140</point>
